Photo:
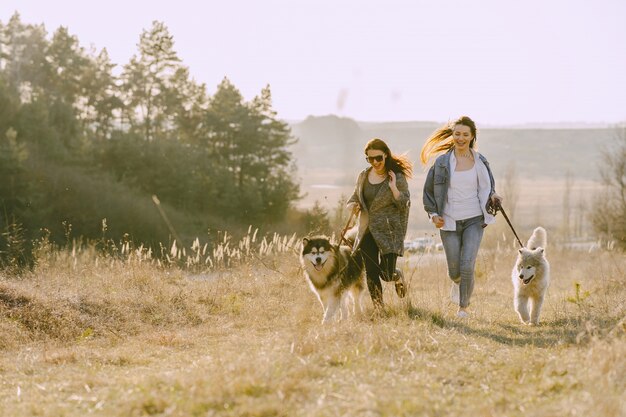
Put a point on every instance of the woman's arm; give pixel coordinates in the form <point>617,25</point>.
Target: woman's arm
<point>493,195</point>
<point>428,195</point>
<point>428,198</point>
<point>400,189</point>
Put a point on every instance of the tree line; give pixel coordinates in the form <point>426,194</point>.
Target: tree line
<point>79,144</point>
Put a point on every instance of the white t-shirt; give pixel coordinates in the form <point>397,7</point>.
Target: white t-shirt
<point>463,202</point>
<point>483,192</point>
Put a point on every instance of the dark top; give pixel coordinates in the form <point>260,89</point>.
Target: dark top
<point>370,190</point>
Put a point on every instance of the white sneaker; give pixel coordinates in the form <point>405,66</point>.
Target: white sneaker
<point>455,293</point>
<point>462,314</point>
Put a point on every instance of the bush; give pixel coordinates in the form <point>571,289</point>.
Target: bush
<point>609,214</point>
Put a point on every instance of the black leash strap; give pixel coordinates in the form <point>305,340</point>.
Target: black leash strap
<point>494,208</point>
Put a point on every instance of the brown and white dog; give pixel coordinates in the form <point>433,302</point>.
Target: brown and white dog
<point>334,275</point>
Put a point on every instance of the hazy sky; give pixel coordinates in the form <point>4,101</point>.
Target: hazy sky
<point>498,61</point>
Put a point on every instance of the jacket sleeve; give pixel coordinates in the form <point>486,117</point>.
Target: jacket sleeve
<point>404,200</point>
<point>491,179</point>
<point>428,195</point>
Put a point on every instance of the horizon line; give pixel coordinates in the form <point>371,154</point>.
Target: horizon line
<point>516,125</point>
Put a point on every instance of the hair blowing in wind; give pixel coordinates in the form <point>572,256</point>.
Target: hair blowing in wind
<point>440,141</point>
<point>396,163</point>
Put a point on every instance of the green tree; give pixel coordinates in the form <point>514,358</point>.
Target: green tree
<point>84,83</point>
<point>272,160</point>
<point>102,99</point>
<point>9,104</point>
<point>228,162</point>
<point>251,144</point>
<point>67,61</point>
<point>24,60</point>
<point>317,220</point>
<point>14,187</point>
<point>224,118</point>
<point>44,75</point>
<point>147,83</point>
<point>189,102</point>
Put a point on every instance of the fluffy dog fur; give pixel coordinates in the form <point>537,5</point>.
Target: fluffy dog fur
<point>531,278</point>
<point>333,275</point>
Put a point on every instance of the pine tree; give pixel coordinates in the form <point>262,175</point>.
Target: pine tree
<point>24,57</point>
<point>251,144</point>
<point>102,99</point>
<point>147,83</point>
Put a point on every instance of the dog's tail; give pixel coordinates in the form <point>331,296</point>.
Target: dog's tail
<point>539,238</point>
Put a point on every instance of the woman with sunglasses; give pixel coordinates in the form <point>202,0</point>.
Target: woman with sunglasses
<point>458,188</point>
<point>382,200</point>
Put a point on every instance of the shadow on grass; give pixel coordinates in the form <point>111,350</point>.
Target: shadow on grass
<point>562,332</point>
<point>436,318</point>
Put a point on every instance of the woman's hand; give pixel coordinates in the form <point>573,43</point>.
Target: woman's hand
<point>437,221</point>
<point>393,186</point>
<point>392,180</point>
<point>496,200</point>
<point>353,207</point>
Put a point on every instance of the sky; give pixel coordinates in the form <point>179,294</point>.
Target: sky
<point>500,62</point>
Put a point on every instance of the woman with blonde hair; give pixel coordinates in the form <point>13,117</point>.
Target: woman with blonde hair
<point>382,200</point>
<point>458,188</point>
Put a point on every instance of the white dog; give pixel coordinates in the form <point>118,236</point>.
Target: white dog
<point>531,278</point>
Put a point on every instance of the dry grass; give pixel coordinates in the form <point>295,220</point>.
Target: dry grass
<point>86,334</point>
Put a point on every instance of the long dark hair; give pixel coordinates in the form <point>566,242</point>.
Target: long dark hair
<point>440,140</point>
<point>395,163</point>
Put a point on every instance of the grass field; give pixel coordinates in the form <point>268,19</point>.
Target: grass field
<point>88,334</point>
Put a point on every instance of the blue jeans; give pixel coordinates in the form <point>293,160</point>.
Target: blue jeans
<point>461,248</point>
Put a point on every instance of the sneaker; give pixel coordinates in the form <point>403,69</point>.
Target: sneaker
<point>400,283</point>
<point>462,314</point>
<point>455,293</point>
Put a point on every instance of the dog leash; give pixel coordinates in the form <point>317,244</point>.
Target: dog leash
<point>493,208</point>
<point>342,238</point>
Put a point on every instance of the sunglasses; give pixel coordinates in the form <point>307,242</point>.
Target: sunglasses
<point>377,158</point>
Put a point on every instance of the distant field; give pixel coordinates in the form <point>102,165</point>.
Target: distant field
<point>336,143</point>
<point>329,156</point>
<point>539,202</point>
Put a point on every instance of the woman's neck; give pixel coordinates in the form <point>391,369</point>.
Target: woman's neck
<point>381,173</point>
<point>463,153</point>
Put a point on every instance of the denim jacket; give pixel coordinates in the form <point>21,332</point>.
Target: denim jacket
<point>438,181</point>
